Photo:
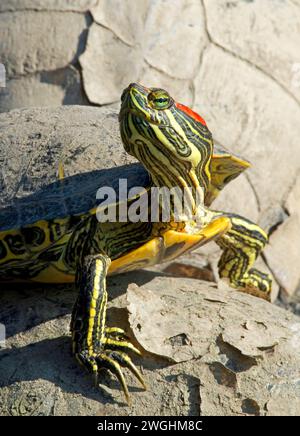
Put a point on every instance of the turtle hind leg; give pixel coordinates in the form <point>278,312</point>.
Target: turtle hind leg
<point>94,344</point>
<point>241,246</point>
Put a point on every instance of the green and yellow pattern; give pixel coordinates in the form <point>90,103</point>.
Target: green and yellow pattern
<point>176,148</point>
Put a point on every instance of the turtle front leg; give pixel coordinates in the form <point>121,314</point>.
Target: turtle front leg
<point>241,246</point>
<point>94,345</point>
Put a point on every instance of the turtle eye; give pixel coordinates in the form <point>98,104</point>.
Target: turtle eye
<point>159,99</point>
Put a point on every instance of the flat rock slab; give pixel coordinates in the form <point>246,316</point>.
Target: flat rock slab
<point>205,352</point>
<point>34,141</point>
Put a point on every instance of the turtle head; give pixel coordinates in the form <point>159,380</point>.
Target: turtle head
<point>169,139</point>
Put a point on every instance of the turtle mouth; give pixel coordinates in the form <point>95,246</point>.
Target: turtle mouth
<point>138,114</point>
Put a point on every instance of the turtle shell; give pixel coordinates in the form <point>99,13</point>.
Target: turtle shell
<point>72,196</point>
<point>86,141</point>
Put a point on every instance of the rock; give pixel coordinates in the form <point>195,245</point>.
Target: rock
<point>283,257</point>
<point>271,44</point>
<point>292,203</point>
<point>272,218</point>
<point>120,20</point>
<point>206,352</point>
<point>166,49</point>
<point>81,138</point>
<point>286,266</point>
<point>186,269</point>
<point>62,86</point>
<point>254,137</point>
<point>42,5</point>
<point>245,30</point>
<point>239,197</point>
<point>182,89</point>
<point>28,54</point>
<point>119,41</point>
<point>107,57</point>
<point>41,65</point>
<point>252,126</point>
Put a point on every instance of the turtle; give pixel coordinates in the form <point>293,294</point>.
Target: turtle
<point>56,235</point>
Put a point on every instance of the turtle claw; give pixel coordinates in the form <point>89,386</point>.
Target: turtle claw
<point>124,360</point>
<point>104,360</point>
<point>114,360</point>
<point>113,356</point>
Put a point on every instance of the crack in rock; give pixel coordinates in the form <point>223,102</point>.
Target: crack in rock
<point>242,59</point>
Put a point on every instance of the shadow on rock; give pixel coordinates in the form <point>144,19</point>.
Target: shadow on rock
<point>24,306</point>
<point>51,360</point>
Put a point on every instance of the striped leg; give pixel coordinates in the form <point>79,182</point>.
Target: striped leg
<point>94,345</point>
<point>241,246</point>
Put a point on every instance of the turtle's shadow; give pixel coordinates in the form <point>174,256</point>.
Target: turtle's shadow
<point>51,360</point>
<point>24,306</point>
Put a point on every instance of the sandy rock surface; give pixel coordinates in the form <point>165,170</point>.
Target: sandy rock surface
<point>205,352</point>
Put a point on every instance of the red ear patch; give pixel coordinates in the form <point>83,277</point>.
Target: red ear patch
<point>191,113</point>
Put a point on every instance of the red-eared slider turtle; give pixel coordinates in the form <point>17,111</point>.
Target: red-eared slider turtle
<point>54,234</point>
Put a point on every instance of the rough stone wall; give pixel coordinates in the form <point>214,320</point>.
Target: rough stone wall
<point>54,48</point>
<point>236,62</point>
